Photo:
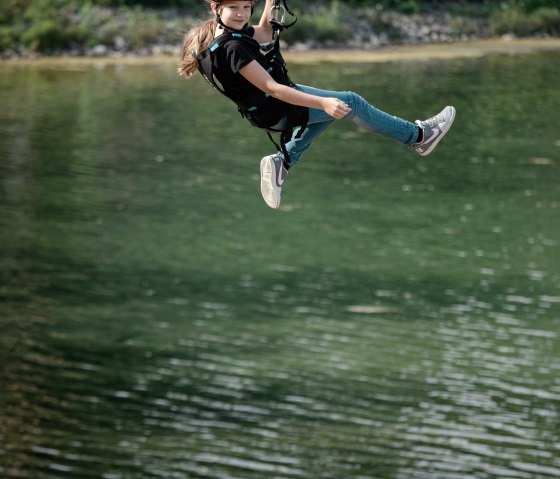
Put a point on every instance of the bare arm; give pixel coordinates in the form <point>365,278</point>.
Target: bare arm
<point>258,76</point>
<point>263,22</point>
<point>264,27</point>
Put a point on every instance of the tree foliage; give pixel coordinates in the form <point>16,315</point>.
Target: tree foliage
<point>53,25</point>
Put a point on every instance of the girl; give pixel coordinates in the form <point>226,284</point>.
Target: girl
<point>245,64</point>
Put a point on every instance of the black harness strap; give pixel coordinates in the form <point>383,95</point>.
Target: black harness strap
<point>254,108</point>
<point>295,120</point>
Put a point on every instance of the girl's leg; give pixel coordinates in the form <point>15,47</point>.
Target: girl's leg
<point>363,114</point>
<point>298,146</point>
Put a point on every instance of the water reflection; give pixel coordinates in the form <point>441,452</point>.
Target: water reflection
<point>394,319</point>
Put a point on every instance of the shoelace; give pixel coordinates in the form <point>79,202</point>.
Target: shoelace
<point>434,120</point>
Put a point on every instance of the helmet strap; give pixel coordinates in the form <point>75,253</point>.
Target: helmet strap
<point>224,26</point>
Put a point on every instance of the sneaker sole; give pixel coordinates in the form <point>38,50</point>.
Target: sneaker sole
<point>437,140</point>
<point>267,189</point>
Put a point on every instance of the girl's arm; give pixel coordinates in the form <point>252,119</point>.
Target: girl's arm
<point>258,76</point>
<point>263,31</point>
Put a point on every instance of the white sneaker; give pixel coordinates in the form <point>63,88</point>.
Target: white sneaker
<point>273,174</point>
<point>434,130</point>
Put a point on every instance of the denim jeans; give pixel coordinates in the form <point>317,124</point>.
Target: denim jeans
<point>363,114</point>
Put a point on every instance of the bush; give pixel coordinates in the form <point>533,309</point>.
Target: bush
<point>529,6</point>
<point>97,24</point>
<point>11,10</point>
<point>408,6</point>
<point>322,25</point>
<point>8,38</point>
<point>515,21</point>
<point>49,35</point>
<point>461,27</point>
<point>547,20</point>
<point>142,28</point>
<point>381,24</point>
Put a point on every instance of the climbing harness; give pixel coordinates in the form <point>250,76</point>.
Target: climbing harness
<point>261,110</point>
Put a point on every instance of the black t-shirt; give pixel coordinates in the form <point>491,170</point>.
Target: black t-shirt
<point>232,57</point>
<point>230,53</point>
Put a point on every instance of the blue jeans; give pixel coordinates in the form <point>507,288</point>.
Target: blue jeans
<point>363,114</point>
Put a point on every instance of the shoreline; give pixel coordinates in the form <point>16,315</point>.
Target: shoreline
<point>420,52</point>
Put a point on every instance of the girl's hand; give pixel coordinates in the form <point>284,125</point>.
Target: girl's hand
<point>336,108</point>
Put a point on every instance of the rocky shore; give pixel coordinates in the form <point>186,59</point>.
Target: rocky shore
<point>398,29</point>
<point>374,28</point>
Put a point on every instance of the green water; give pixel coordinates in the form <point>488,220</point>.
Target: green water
<point>397,318</point>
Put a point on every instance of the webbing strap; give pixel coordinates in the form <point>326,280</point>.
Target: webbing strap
<point>206,68</point>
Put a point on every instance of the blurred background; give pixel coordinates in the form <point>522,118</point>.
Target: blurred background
<point>148,27</point>
<point>397,317</point>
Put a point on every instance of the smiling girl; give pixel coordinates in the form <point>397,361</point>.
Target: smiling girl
<point>244,63</point>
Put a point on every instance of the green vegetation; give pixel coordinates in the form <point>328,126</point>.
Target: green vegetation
<point>544,20</point>
<point>323,23</point>
<point>49,26</point>
<point>56,26</point>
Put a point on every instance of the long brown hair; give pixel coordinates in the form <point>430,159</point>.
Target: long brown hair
<point>198,39</point>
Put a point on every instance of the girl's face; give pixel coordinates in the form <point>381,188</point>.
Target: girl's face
<point>235,14</point>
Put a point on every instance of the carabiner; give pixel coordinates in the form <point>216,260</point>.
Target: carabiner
<point>277,15</point>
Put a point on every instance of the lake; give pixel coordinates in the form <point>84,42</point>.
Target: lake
<point>397,318</point>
